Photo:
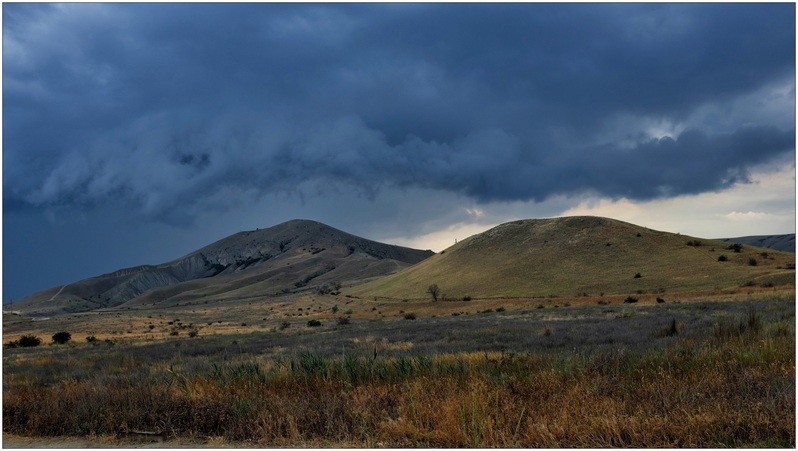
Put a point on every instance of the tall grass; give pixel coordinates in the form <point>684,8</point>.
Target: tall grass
<point>732,389</point>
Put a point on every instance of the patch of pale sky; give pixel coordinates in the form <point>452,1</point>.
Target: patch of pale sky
<point>764,206</point>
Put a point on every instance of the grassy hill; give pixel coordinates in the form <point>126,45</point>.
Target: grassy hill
<point>574,255</point>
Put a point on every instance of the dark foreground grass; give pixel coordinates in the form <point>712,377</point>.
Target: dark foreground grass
<point>733,388</point>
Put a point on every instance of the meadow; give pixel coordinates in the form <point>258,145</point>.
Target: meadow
<point>712,371</point>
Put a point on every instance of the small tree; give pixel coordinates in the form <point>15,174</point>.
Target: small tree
<point>434,291</point>
<point>61,337</point>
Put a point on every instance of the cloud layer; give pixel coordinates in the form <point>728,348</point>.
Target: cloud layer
<point>174,109</point>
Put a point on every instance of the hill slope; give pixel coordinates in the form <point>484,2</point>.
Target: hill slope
<point>567,256</point>
<point>785,243</point>
<point>292,256</point>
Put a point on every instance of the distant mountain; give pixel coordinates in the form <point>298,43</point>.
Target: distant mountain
<point>784,243</point>
<point>574,255</point>
<point>293,256</point>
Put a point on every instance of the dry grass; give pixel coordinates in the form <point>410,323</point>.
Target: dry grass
<point>728,389</point>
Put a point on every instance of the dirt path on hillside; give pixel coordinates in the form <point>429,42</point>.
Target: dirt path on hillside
<point>59,292</point>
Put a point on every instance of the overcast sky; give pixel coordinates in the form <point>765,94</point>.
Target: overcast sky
<point>136,133</point>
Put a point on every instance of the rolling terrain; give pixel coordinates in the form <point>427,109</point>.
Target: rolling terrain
<point>294,256</point>
<point>576,255</point>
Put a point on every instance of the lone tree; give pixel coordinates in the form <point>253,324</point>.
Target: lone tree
<point>434,291</point>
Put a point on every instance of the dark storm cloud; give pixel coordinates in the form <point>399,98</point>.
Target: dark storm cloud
<point>163,107</point>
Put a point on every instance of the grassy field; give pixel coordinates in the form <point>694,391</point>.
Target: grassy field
<point>711,370</point>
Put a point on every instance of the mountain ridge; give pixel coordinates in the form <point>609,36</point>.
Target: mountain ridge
<point>306,244</point>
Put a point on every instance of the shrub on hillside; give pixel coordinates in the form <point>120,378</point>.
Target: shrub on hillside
<point>736,247</point>
<point>752,261</point>
<point>722,258</point>
<point>314,323</point>
<point>410,316</point>
<point>671,330</point>
<point>638,275</point>
<point>27,341</point>
<point>91,339</point>
<point>630,300</point>
<point>434,291</point>
<point>61,337</point>
<point>695,243</point>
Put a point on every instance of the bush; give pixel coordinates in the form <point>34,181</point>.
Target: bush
<point>343,321</point>
<point>736,247</point>
<point>314,323</point>
<point>752,261</point>
<point>722,258</point>
<point>671,330</point>
<point>61,337</point>
<point>637,276</point>
<point>695,243</point>
<point>500,309</point>
<point>28,341</point>
<point>434,291</point>
<point>466,298</point>
<point>410,316</point>
<point>91,339</point>
<point>630,300</point>
<point>284,325</point>
<point>193,333</point>
<point>603,302</point>
<point>174,333</point>
<point>660,300</point>
<point>334,308</point>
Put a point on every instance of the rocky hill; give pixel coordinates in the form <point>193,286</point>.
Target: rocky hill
<point>293,256</point>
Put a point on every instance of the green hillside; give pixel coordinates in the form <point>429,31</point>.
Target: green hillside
<point>574,255</point>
